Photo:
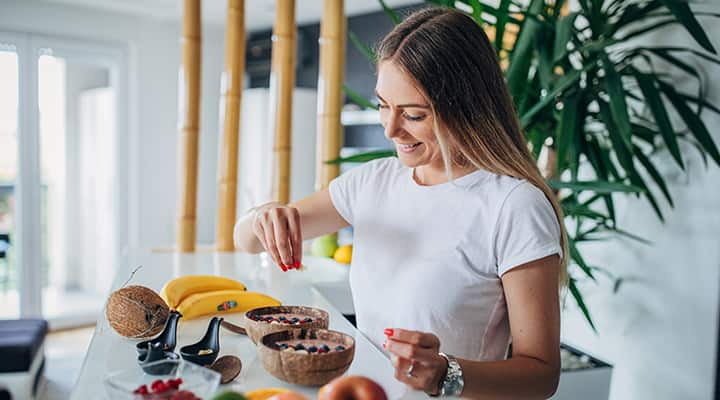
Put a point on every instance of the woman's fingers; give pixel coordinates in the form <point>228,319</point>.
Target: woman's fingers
<point>419,376</point>
<point>278,229</point>
<point>282,236</point>
<point>410,351</point>
<point>422,339</point>
<point>270,243</point>
<point>295,236</point>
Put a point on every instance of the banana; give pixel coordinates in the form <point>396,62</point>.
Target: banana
<point>178,289</point>
<point>223,302</point>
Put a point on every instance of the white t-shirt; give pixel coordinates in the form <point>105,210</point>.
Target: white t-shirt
<point>430,258</point>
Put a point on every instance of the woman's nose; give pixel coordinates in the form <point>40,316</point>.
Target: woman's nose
<point>391,125</point>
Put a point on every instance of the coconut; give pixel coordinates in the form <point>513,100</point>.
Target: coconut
<point>136,312</point>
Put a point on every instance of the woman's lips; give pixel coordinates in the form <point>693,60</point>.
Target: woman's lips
<point>409,147</point>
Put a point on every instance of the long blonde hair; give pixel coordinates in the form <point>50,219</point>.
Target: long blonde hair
<point>455,66</point>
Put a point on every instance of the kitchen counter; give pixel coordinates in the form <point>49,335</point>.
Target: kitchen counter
<point>109,352</point>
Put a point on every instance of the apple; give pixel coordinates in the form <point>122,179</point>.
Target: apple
<point>324,246</point>
<point>352,388</point>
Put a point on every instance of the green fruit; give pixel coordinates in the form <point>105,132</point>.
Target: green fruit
<point>229,396</point>
<point>324,246</point>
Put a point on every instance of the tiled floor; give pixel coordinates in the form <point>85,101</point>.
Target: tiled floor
<point>65,351</point>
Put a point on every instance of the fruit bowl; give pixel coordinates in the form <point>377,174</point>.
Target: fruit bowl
<point>200,381</point>
<point>264,320</point>
<point>308,357</point>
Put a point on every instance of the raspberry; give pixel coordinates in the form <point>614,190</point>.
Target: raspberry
<point>141,390</point>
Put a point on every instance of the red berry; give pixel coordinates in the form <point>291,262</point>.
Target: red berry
<point>141,390</point>
<point>155,384</point>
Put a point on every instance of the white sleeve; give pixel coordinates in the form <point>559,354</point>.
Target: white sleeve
<point>527,228</point>
<point>345,189</point>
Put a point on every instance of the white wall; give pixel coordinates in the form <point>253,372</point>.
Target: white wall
<point>153,52</point>
<point>660,329</point>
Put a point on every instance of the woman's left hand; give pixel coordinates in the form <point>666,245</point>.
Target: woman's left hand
<point>417,362</point>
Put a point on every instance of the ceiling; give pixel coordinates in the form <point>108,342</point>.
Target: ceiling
<point>259,14</point>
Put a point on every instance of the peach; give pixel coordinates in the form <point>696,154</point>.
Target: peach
<point>352,388</point>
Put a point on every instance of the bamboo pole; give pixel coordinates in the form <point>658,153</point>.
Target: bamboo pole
<point>189,115</point>
<point>230,98</point>
<point>282,82</point>
<point>332,65</point>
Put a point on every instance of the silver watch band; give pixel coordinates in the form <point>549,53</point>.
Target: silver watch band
<point>453,384</point>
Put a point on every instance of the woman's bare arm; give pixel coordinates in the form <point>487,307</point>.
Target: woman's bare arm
<point>282,228</point>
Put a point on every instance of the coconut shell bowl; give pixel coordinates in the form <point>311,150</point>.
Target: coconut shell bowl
<point>308,357</point>
<point>264,320</point>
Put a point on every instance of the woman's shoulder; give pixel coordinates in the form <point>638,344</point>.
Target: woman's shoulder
<point>511,192</point>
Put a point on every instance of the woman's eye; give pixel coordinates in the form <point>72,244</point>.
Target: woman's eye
<point>414,118</point>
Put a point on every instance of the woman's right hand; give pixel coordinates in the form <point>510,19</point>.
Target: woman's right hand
<point>277,227</point>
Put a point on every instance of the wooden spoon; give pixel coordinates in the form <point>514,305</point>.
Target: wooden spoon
<point>233,328</point>
<point>228,366</point>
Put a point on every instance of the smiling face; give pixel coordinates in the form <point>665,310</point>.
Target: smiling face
<point>407,118</point>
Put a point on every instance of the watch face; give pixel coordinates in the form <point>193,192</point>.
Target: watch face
<point>453,383</point>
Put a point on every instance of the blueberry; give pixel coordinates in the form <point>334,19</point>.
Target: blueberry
<point>283,346</point>
<point>312,349</point>
<point>307,320</point>
<point>295,320</point>
<point>339,348</point>
<point>282,318</point>
<point>299,346</point>
<point>325,347</point>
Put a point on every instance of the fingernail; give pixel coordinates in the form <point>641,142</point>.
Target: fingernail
<point>284,268</point>
<point>297,264</point>
<point>388,332</point>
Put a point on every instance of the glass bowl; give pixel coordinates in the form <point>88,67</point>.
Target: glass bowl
<point>201,381</point>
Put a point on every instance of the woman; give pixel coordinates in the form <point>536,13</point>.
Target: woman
<point>458,242</point>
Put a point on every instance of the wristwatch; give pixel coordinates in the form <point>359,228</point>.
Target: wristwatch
<point>453,383</point>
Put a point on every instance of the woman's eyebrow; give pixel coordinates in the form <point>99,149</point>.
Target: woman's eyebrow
<point>413,105</point>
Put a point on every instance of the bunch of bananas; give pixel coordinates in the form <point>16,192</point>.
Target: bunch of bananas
<point>198,295</point>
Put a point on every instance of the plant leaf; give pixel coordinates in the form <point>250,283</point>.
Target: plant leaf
<point>694,123</point>
<point>563,32</point>
<point>654,101</point>
<point>619,145</point>
<point>563,83</point>
<point>618,105</point>
<point>502,18</point>
<point>653,172</point>
<point>390,12</point>
<point>362,47</point>
<point>630,235</point>
<point>566,130</point>
<point>596,186</point>
<point>683,13</point>
<point>581,303</point>
<point>363,157</point>
<point>477,10</point>
<point>358,99</point>
<point>521,56</point>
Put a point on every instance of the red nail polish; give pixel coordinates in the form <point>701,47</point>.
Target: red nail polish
<point>297,264</point>
<point>284,268</point>
<point>388,332</point>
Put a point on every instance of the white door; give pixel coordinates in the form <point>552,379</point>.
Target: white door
<point>64,180</point>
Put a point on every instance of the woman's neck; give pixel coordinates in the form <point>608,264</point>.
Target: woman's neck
<point>427,175</point>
